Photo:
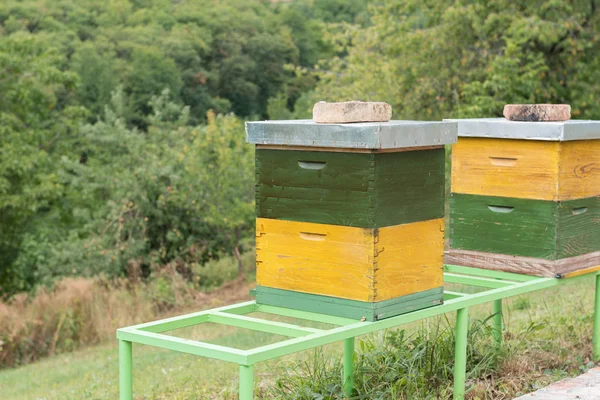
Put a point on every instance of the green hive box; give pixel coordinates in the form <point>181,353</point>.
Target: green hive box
<point>368,190</point>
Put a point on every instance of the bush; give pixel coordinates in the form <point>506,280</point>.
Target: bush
<point>143,200</point>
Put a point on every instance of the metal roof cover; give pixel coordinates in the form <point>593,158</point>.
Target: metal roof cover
<point>502,128</point>
<point>365,135</point>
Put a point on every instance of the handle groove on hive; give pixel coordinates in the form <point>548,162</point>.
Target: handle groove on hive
<point>316,165</point>
<point>317,237</point>
<point>501,209</point>
<point>503,161</point>
<point>579,210</point>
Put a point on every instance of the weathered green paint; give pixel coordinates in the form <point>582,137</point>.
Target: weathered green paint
<point>353,309</point>
<point>367,190</point>
<point>409,186</point>
<point>125,370</point>
<point>578,227</point>
<point>528,230</point>
<point>523,227</point>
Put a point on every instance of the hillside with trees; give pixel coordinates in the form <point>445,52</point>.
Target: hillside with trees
<point>122,150</point>
<point>121,128</point>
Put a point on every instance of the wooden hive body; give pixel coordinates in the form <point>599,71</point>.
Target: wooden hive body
<point>526,169</point>
<point>353,232</point>
<point>525,203</point>
<point>367,190</point>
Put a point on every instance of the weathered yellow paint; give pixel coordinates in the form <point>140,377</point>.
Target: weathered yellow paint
<point>348,262</point>
<point>580,272</point>
<point>526,169</point>
<point>410,258</point>
<point>579,175</point>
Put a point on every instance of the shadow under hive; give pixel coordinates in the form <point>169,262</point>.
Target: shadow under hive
<point>526,196</point>
<point>350,216</point>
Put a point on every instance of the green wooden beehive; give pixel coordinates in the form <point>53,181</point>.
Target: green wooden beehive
<point>526,196</point>
<point>350,216</point>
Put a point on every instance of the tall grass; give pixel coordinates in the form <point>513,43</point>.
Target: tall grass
<point>84,311</point>
<point>394,364</point>
<point>418,364</point>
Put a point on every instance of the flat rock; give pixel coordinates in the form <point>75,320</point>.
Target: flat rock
<point>537,112</point>
<point>351,111</point>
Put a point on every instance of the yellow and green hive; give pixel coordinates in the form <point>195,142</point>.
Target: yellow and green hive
<point>526,196</point>
<point>350,217</point>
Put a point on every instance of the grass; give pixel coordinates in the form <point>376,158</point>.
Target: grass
<point>548,337</point>
<point>79,311</point>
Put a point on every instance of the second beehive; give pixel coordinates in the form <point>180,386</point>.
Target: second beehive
<point>526,196</point>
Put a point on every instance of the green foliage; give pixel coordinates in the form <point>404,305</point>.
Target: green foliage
<point>104,168</point>
<point>226,55</point>
<point>37,124</point>
<point>143,200</point>
<point>394,365</point>
<point>434,60</point>
<point>522,303</point>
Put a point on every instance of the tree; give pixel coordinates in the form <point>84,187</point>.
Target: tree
<point>37,126</point>
<point>434,60</point>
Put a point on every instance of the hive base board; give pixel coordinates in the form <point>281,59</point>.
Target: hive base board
<point>522,265</point>
<point>353,309</point>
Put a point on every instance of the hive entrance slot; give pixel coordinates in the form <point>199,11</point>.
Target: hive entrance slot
<point>503,161</point>
<point>318,237</point>
<point>579,210</point>
<point>316,165</point>
<point>501,209</point>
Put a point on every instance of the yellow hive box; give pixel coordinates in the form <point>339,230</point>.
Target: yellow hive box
<point>526,169</point>
<point>363,264</point>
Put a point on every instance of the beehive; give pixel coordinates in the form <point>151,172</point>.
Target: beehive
<point>350,216</point>
<point>526,196</point>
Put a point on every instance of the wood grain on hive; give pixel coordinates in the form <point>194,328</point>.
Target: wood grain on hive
<point>526,169</point>
<point>350,216</point>
<point>350,189</point>
<point>526,196</point>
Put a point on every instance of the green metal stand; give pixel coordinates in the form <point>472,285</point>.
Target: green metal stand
<point>125,370</point>
<point>348,367</point>
<point>460,353</point>
<point>498,285</point>
<point>497,324</point>
<point>596,333</point>
<point>246,382</point>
